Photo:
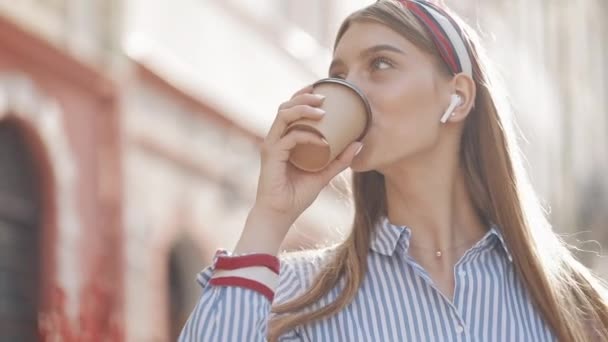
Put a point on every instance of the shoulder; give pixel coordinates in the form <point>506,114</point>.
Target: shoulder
<point>299,270</point>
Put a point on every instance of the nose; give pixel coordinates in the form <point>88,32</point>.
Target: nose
<point>357,82</point>
<point>353,79</point>
<point>364,88</point>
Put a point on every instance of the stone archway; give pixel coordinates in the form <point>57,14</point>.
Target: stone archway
<point>37,183</point>
<point>184,263</point>
<point>20,235</point>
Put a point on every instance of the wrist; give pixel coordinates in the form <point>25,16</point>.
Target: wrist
<point>273,218</point>
<point>263,233</point>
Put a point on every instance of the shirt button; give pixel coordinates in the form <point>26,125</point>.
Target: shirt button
<point>459,329</point>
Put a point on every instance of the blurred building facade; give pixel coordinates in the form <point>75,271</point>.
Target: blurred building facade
<point>60,174</point>
<point>141,121</point>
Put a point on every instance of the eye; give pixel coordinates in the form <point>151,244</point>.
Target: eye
<point>381,63</point>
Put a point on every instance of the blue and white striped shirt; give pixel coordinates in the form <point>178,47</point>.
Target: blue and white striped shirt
<point>396,302</point>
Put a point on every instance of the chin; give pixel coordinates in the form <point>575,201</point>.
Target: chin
<point>360,164</point>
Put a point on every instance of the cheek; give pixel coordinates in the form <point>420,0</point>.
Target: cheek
<point>395,126</point>
<point>404,120</point>
<point>394,136</point>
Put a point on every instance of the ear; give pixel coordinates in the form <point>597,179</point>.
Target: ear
<point>464,86</point>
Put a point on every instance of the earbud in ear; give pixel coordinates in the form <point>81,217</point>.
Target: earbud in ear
<point>455,101</point>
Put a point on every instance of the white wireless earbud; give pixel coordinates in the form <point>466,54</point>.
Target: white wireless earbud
<point>455,101</point>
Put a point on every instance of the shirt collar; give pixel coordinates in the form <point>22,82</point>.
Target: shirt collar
<point>496,231</point>
<point>386,237</point>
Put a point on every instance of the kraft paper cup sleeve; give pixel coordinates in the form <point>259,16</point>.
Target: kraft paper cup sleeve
<point>347,119</point>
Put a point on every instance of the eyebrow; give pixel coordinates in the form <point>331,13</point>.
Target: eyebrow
<point>367,52</point>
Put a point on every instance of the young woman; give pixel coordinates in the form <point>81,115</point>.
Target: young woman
<point>448,241</point>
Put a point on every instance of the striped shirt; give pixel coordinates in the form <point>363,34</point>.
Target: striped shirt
<point>397,301</point>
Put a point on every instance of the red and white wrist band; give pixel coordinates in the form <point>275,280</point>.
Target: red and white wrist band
<point>257,272</point>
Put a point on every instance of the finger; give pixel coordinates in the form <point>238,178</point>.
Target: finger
<point>284,146</point>
<point>289,115</point>
<point>341,162</point>
<point>314,100</point>
<point>307,89</point>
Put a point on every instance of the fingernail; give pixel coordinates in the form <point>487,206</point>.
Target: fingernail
<point>319,111</point>
<point>359,148</point>
<point>320,96</point>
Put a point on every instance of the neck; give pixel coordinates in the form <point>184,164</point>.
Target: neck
<point>433,201</point>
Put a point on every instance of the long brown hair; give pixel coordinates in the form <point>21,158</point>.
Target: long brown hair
<point>573,302</point>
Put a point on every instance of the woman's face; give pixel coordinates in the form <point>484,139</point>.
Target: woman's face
<point>406,93</point>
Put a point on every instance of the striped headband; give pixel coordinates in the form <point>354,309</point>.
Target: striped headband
<point>445,32</point>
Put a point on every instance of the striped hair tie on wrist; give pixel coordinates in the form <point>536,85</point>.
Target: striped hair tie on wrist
<point>235,262</point>
<point>257,272</point>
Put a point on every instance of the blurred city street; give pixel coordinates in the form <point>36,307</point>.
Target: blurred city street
<point>129,134</point>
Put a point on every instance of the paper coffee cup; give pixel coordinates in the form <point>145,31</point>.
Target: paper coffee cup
<point>347,119</point>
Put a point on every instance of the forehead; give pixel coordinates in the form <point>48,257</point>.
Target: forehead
<point>361,35</point>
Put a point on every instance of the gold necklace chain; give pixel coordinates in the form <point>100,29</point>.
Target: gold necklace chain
<point>438,252</point>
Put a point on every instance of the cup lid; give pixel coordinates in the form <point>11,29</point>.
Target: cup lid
<point>368,109</point>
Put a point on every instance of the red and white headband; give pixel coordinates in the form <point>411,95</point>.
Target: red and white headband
<point>445,32</point>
